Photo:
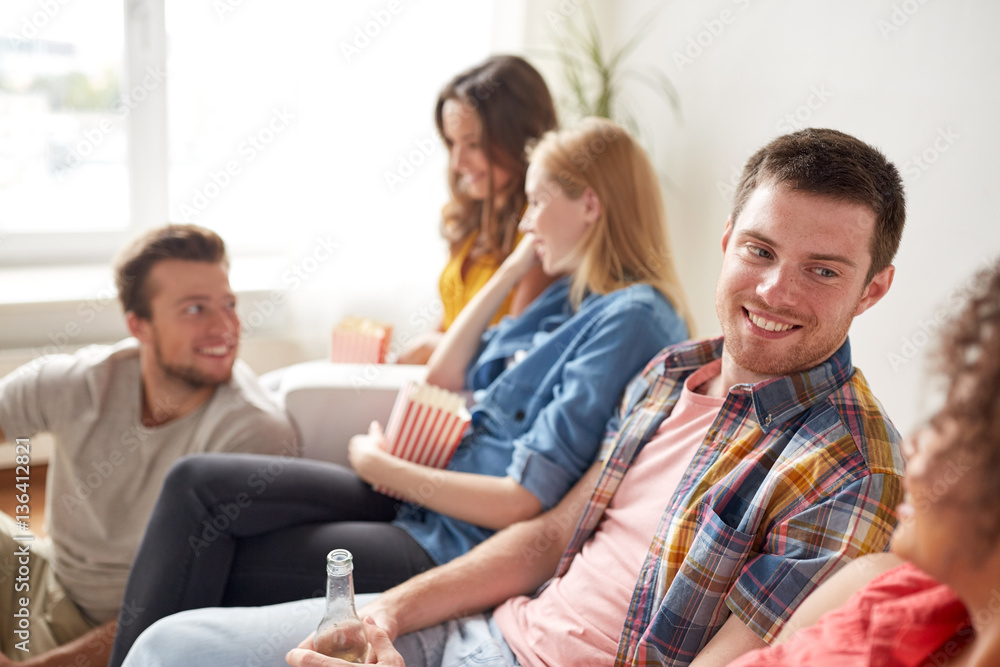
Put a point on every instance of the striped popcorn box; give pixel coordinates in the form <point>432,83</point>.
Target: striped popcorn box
<point>425,426</point>
<point>358,340</point>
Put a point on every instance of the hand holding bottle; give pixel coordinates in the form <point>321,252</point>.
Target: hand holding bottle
<point>382,653</point>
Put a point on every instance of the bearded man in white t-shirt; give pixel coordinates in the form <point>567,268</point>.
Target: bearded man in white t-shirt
<point>120,416</point>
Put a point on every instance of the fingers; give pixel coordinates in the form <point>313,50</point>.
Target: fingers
<point>385,652</point>
<point>299,657</point>
<point>524,257</point>
<point>377,637</point>
<point>381,617</point>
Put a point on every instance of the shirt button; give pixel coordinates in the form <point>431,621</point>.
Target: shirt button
<point>519,415</point>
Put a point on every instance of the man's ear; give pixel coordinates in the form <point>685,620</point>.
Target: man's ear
<point>726,233</point>
<point>876,289</point>
<point>591,206</point>
<point>138,327</point>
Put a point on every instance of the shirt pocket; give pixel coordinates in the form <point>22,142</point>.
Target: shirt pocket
<point>714,562</point>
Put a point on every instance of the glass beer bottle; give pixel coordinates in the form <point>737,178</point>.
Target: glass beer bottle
<point>341,634</point>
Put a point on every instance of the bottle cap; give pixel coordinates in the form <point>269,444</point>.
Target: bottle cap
<point>339,562</point>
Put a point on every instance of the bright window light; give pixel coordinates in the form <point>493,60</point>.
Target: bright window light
<point>63,160</point>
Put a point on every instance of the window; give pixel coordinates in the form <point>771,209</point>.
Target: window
<point>276,118</point>
<point>63,127</point>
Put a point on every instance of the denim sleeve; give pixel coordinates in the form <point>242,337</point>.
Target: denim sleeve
<point>635,391</point>
<point>547,312</point>
<point>565,437</point>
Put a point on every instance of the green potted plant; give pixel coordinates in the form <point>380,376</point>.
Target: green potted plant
<point>597,77</point>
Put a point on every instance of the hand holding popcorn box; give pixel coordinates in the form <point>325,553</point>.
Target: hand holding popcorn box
<point>359,340</point>
<point>425,426</point>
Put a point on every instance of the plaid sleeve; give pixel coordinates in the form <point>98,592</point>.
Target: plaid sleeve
<point>611,433</point>
<point>803,549</point>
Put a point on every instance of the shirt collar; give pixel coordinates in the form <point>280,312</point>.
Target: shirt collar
<point>776,400</point>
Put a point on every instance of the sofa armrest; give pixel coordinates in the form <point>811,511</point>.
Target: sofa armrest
<point>328,403</point>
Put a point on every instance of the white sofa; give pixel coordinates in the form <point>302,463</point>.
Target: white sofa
<point>328,403</point>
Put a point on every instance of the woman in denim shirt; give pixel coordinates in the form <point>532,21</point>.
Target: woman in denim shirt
<point>545,385</point>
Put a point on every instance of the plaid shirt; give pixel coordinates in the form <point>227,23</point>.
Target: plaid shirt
<point>796,476</point>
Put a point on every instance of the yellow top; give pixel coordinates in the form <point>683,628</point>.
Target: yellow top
<point>457,291</point>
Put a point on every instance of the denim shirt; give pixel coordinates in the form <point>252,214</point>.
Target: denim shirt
<point>546,383</point>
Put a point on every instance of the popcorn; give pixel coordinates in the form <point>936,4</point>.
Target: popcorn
<point>425,426</point>
<point>360,340</point>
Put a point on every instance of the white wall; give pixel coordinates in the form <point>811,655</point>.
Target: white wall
<point>917,79</point>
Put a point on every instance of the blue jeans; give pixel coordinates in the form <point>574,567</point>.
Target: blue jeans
<point>238,530</point>
<point>261,636</point>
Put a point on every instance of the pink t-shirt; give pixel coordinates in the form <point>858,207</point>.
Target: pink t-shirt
<point>578,618</point>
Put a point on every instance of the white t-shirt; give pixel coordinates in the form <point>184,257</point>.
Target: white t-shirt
<point>107,468</point>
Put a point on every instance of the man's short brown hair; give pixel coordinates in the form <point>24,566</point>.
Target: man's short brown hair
<point>133,264</point>
<point>833,164</point>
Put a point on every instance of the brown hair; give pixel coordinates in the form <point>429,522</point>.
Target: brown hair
<point>833,164</point>
<point>628,243</point>
<point>969,361</point>
<point>514,106</point>
<point>133,264</point>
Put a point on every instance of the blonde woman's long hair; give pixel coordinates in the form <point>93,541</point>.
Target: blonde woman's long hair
<point>628,243</point>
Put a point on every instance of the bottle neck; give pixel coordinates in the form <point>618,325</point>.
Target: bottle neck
<point>340,595</point>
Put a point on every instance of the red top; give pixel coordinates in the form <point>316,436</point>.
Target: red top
<point>901,618</point>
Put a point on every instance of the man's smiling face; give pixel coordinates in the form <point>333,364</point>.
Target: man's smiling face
<point>793,278</point>
<point>193,328</point>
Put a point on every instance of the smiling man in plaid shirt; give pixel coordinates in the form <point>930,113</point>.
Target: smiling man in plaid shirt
<point>740,473</point>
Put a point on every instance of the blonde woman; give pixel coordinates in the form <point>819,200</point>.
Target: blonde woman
<point>545,383</point>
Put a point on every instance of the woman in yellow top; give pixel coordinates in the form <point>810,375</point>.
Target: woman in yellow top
<point>485,116</point>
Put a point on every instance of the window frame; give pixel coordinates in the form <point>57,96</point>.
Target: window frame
<point>146,136</point>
